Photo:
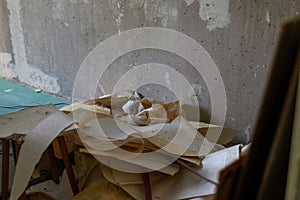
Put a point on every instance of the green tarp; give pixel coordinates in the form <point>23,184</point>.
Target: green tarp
<point>15,97</point>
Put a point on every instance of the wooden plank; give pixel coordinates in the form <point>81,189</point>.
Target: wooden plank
<point>293,183</point>
<point>18,145</point>
<point>53,164</point>
<point>273,183</point>
<point>5,168</point>
<point>270,111</point>
<point>68,165</point>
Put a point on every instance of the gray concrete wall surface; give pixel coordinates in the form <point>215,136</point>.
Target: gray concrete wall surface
<point>5,45</point>
<point>51,38</point>
<point>4,31</point>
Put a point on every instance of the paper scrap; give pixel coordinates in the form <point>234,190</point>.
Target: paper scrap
<point>183,185</point>
<point>20,123</point>
<point>35,143</point>
<point>153,161</point>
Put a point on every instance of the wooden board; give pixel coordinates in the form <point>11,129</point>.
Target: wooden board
<point>271,109</point>
<point>275,174</point>
<point>293,183</point>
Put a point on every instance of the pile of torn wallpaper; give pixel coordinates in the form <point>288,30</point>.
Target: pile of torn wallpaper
<point>135,147</point>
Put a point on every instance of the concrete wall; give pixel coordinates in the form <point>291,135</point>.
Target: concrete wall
<point>5,45</point>
<point>4,31</point>
<point>51,38</point>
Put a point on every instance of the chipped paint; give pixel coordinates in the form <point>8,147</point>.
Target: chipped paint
<point>167,77</point>
<point>58,9</point>
<point>5,59</point>
<point>189,2</point>
<point>164,11</point>
<point>21,70</point>
<point>253,68</point>
<point>195,93</point>
<point>6,65</point>
<point>215,13</point>
<point>41,80</point>
<point>248,133</point>
<point>117,8</point>
<point>268,17</point>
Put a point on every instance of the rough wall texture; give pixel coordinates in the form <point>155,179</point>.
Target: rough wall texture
<point>5,45</point>
<point>4,31</point>
<point>51,38</point>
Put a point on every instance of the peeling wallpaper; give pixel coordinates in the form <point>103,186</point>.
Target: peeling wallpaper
<point>165,11</point>
<point>215,13</point>
<point>23,71</point>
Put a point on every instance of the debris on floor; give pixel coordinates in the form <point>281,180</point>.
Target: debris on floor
<point>125,146</point>
<point>132,146</point>
<point>162,144</point>
<point>55,191</point>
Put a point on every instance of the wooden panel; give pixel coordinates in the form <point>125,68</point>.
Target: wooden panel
<point>275,174</point>
<point>270,111</point>
<point>293,184</point>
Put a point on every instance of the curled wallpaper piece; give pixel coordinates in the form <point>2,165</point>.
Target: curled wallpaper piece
<point>190,186</point>
<point>19,123</point>
<point>36,142</point>
<point>183,184</point>
<point>155,161</point>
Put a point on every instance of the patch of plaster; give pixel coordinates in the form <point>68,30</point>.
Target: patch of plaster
<point>6,65</point>
<point>268,17</point>
<point>22,70</point>
<point>137,3</point>
<point>165,11</point>
<point>196,93</point>
<point>189,2</point>
<point>58,9</point>
<point>5,59</point>
<point>41,80</point>
<point>117,8</point>
<point>167,77</point>
<point>248,132</point>
<point>254,68</point>
<point>215,13</point>
<point>79,1</point>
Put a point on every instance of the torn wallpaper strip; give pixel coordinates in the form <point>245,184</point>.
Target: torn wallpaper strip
<point>33,147</point>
